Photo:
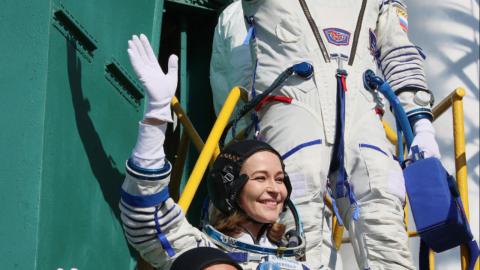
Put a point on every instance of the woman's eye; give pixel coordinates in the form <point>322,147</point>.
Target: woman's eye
<point>279,179</point>
<point>259,178</point>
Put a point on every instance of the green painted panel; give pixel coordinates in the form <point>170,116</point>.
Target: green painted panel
<point>24,47</point>
<point>92,109</point>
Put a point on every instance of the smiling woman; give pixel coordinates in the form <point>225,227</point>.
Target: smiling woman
<point>248,188</point>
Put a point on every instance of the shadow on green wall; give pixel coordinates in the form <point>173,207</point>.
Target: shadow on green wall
<point>102,164</point>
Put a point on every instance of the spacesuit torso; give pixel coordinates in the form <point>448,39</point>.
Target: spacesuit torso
<point>283,37</point>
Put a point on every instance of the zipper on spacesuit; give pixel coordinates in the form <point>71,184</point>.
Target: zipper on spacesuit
<point>251,36</point>
<point>314,28</point>
<point>356,35</point>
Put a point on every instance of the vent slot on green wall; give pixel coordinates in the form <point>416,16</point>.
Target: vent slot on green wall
<point>74,31</point>
<point>126,86</point>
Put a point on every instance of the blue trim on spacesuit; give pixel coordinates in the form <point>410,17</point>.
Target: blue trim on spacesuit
<point>161,237</point>
<point>148,174</point>
<point>392,72</point>
<point>145,200</point>
<point>398,81</point>
<point>371,146</point>
<point>401,48</point>
<point>136,211</point>
<point>402,61</point>
<point>166,168</point>
<point>153,213</point>
<point>232,242</point>
<point>300,147</point>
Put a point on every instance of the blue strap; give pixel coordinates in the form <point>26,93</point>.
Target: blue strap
<point>342,187</point>
<point>473,252</point>
<point>145,200</point>
<point>353,202</point>
<point>423,260</point>
<point>338,159</point>
<point>251,31</point>
<point>254,117</point>
<point>161,237</point>
<point>335,208</point>
<point>399,142</point>
<point>254,94</point>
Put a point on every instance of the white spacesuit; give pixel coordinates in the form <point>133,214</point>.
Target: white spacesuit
<point>155,225</point>
<point>331,117</point>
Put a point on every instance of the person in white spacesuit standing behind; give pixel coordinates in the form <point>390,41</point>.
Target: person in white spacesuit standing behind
<point>329,127</point>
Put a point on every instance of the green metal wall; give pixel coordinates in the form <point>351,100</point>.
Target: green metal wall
<point>22,85</point>
<point>69,114</point>
<point>69,111</point>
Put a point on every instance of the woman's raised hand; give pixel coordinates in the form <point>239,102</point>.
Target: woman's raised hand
<point>160,86</point>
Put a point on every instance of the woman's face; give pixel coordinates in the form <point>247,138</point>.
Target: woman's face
<point>263,195</point>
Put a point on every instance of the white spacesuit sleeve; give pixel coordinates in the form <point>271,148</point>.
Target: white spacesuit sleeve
<point>219,68</point>
<point>231,63</point>
<point>401,62</point>
<point>153,223</point>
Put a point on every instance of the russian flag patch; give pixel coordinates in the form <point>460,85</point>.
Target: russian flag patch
<point>402,18</point>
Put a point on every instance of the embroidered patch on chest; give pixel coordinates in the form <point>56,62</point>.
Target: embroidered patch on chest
<point>337,36</point>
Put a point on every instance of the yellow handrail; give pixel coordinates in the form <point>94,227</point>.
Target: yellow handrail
<point>209,149</point>
<point>461,161</point>
<point>187,124</point>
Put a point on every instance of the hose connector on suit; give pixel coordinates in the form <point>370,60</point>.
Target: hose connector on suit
<point>303,70</point>
<point>373,82</point>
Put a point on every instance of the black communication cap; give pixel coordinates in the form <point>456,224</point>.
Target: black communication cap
<point>201,258</point>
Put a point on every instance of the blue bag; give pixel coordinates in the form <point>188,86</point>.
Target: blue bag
<point>436,205</point>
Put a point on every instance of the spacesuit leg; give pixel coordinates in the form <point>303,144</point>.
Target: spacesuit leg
<point>298,136</point>
<point>378,236</point>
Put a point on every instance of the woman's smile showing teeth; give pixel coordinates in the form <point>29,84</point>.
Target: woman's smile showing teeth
<point>269,203</point>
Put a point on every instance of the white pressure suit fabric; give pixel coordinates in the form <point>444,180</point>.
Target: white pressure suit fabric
<point>153,223</point>
<point>304,129</point>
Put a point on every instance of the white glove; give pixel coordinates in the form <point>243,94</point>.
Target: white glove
<point>160,87</point>
<point>425,139</point>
